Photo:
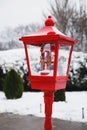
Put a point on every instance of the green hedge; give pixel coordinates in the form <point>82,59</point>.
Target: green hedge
<point>2,76</point>
<point>59,95</point>
<point>13,85</point>
<point>78,78</point>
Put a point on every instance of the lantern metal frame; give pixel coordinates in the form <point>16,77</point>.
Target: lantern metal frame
<point>48,84</point>
<point>48,34</point>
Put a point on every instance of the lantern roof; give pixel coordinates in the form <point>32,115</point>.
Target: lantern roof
<point>48,29</point>
<point>48,33</point>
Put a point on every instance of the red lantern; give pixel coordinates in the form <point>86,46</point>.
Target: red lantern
<point>48,54</point>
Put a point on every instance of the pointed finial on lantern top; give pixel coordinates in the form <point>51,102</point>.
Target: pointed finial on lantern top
<point>49,21</point>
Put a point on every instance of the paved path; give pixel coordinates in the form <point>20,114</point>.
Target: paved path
<point>9,121</point>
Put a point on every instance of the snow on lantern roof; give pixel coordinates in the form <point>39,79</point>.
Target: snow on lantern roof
<point>46,33</point>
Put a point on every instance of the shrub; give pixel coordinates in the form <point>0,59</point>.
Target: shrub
<point>2,76</point>
<point>78,78</point>
<point>13,85</point>
<point>59,95</point>
<point>27,85</point>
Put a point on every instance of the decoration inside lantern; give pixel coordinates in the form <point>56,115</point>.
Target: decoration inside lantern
<point>42,59</point>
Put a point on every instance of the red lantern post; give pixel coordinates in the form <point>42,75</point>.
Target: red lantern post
<point>49,70</point>
<point>48,100</point>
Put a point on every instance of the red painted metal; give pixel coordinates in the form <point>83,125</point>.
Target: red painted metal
<point>48,100</point>
<point>48,83</point>
<point>27,59</point>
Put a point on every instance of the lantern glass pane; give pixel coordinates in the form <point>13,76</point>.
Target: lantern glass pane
<point>63,58</point>
<point>41,59</point>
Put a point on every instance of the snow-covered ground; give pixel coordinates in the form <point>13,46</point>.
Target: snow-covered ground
<point>33,103</point>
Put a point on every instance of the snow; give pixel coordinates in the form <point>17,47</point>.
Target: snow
<point>33,104</point>
<point>16,58</point>
<point>12,59</point>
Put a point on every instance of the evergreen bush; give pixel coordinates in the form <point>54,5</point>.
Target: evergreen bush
<point>78,78</point>
<point>59,95</point>
<point>2,76</point>
<point>13,85</point>
<point>27,85</point>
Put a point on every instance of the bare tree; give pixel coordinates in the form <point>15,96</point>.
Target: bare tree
<point>10,37</point>
<point>62,13</point>
<point>71,21</point>
<point>82,29</point>
<point>79,29</point>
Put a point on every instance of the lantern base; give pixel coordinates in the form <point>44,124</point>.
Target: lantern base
<point>43,84</point>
